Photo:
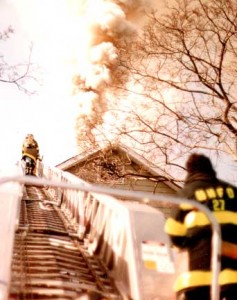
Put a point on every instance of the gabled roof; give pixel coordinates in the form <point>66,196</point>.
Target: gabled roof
<point>69,163</point>
<point>135,157</point>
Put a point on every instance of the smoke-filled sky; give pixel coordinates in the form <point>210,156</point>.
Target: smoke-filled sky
<point>69,37</point>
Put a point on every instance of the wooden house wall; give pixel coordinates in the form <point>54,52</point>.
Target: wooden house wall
<point>101,170</point>
<point>128,183</point>
<point>144,185</point>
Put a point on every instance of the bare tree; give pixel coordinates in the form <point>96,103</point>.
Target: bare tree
<point>182,77</point>
<point>22,75</point>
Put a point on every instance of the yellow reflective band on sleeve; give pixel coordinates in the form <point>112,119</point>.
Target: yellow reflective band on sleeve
<point>186,206</point>
<point>197,218</point>
<point>226,217</point>
<point>200,278</point>
<point>227,276</point>
<point>174,227</point>
<point>192,279</point>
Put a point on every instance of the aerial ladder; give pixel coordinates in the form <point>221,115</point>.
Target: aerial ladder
<point>67,239</point>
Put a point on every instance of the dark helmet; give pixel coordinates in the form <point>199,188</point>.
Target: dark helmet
<point>199,163</point>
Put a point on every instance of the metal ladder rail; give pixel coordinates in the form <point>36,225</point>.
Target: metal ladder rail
<point>141,196</point>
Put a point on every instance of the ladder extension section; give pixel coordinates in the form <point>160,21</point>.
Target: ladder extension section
<point>47,262</point>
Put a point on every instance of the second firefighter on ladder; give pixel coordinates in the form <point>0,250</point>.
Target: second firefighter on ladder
<point>30,154</point>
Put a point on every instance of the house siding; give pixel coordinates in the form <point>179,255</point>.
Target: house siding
<point>116,170</point>
<point>144,186</point>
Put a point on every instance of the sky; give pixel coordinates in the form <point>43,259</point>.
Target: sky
<point>49,115</point>
<point>65,40</point>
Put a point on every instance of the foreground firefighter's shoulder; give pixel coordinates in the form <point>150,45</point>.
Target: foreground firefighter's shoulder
<point>190,229</point>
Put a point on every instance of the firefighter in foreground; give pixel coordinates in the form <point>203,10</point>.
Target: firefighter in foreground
<point>30,150</point>
<point>190,229</point>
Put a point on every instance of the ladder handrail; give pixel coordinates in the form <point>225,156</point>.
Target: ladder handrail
<point>145,197</point>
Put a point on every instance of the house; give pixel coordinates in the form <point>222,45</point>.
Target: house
<point>118,166</point>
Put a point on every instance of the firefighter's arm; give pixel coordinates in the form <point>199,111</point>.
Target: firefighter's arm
<point>176,229</point>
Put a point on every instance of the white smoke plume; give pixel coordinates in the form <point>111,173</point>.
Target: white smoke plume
<point>105,22</point>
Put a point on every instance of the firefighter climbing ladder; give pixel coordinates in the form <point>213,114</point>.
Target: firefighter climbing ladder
<point>65,238</point>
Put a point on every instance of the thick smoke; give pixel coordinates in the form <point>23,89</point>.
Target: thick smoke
<point>105,24</point>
